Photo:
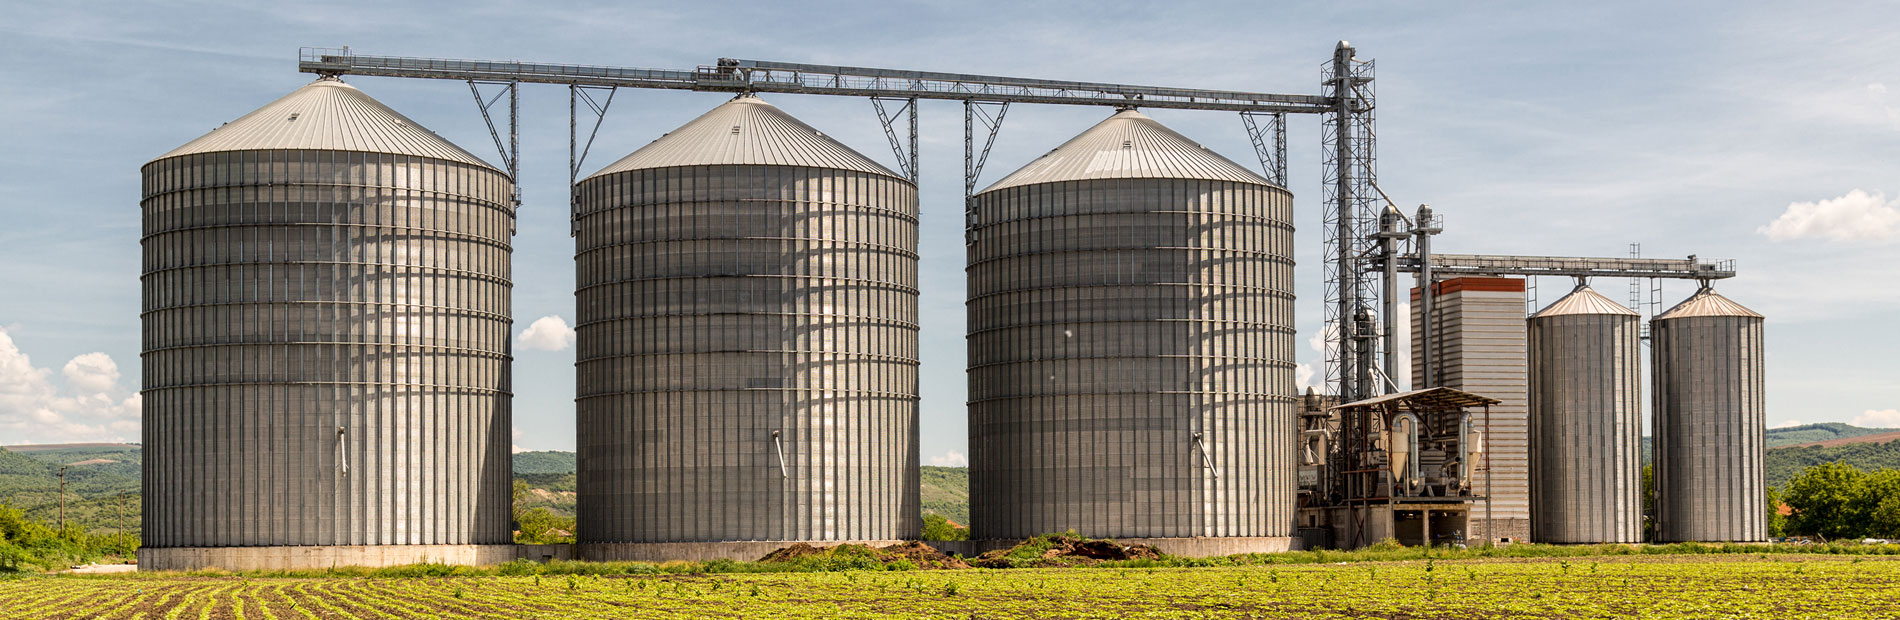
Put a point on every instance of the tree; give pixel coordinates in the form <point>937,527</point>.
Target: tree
<point>1649,503</point>
<point>939,527</point>
<point>1777,522</point>
<point>1823,498</point>
<point>1876,504</point>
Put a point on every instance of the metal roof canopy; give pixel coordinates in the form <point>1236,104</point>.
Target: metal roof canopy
<point>1434,398</point>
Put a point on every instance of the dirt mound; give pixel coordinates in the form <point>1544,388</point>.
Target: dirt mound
<point>787,554</point>
<point>917,553</point>
<point>1059,550</point>
<point>924,556</point>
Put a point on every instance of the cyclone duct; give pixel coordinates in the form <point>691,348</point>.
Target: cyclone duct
<point>326,322</point>
<point>1710,421</point>
<point>1586,414</point>
<point>1131,343</point>
<point>747,371</point>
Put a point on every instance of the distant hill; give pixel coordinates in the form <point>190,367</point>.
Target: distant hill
<point>946,491</point>
<point>544,462</point>
<point>1815,433</point>
<point>1879,438</point>
<point>29,480</point>
<point>1782,464</point>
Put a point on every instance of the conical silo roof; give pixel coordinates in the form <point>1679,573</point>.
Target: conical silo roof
<point>327,115</point>
<point>746,131</point>
<point>1584,300</point>
<point>1129,145</point>
<point>1706,302</point>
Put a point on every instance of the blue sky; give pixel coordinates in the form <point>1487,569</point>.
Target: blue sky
<point>1765,132</point>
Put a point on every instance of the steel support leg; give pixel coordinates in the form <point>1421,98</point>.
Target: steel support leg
<point>577,151</point>
<point>906,161</point>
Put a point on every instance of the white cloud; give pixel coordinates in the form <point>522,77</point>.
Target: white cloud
<point>1303,377</point>
<point>1878,418</point>
<point>1857,216</point>
<point>93,407</point>
<point>952,458</point>
<point>92,372</point>
<point>516,449</point>
<point>548,333</point>
<point>1787,423</point>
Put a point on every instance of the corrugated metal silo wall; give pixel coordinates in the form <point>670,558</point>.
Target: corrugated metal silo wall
<point>1710,427</point>
<point>718,305</point>
<point>1111,321</point>
<point>1586,417</point>
<point>326,350</point>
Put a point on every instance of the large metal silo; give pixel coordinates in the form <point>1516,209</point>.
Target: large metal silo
<point>1586,415</point>
<point>1131,344</point>
<point>1710,421</point>
<point>326,354</point>
<point>747,371</point>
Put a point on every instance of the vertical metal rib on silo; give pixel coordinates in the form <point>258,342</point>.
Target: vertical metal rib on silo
<point>1710,421</point>
<point>325,333</point>
<point>747,369</point>
<point>1586,414</point>
<point>1130,343</point>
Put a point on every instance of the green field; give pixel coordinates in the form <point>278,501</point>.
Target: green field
<point>1730,586</point>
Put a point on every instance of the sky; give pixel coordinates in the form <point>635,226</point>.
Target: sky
<point>1765,132</point>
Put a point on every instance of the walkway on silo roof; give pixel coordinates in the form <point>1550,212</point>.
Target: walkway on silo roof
<point>1438,397</point>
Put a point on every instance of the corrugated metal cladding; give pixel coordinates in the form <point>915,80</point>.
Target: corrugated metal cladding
<point>325,319</point>
<point>1479,341</point>
<point>1131,343</point>
<point>1710,421</point>
<point>1586,395</point>
<point>748,338</point>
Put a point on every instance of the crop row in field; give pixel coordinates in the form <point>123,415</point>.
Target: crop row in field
<point>1648,586</point>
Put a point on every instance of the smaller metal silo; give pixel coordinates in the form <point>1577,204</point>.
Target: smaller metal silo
<point>1710,423</point>
<point>1586,416</point>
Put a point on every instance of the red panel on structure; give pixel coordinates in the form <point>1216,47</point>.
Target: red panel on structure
<point>1497,285</point>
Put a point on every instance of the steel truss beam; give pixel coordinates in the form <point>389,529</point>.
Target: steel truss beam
<point>759,76</point>
<point>1459,265</point>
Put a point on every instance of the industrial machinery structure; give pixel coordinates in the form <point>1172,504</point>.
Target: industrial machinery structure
<point>326,343</point>
<point>1130,348</point>
<point>1586,419</point>
<point>747,343</point>
<point>1402,469</point>
<point>1709,421</point>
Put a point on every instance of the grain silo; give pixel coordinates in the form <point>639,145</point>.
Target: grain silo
<point>1131,345</point>
<point>747,371</point>
<point>325,355</point>
<point>1710,422</point>
<point>1586,415</point>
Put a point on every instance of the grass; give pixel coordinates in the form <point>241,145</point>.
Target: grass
<point>1699,585</point>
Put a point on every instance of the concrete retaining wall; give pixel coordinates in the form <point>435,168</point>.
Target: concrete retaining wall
<point>745,551</point>
<point>309,558</point>
<point>317,558</point>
